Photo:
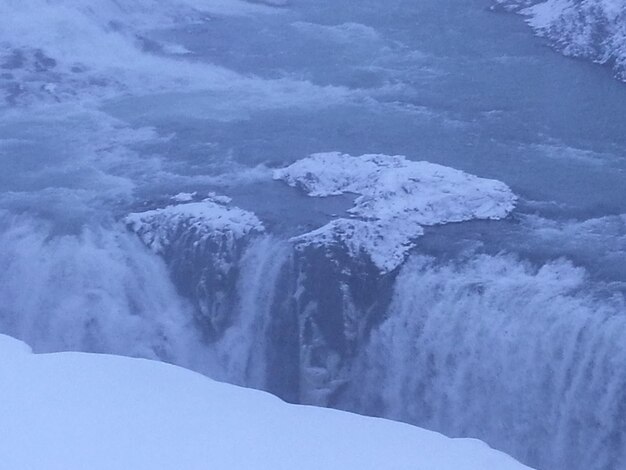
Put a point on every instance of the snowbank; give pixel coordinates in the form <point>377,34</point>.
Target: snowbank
<point>397,197</point>
<point>211,217</point>
<point>76,411</point>
<point>592,29</point>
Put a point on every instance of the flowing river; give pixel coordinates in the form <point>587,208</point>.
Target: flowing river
<point>512,331</point>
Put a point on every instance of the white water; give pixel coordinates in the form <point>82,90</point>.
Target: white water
<point>494,348</point>
<point>531,359</point>
<point>243,349</point>
<point>102,290</point>
<point>98,290</point>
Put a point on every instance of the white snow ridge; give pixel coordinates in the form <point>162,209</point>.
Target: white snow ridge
<point>75,411</point>
<point>396,198</point>
<point>205,219</point>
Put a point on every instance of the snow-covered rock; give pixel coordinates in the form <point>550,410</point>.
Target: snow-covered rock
<point>396,198</point>
<point>73,411</point>
<point>592,29</point>
<point>202,243</point>
<point>210,218</point>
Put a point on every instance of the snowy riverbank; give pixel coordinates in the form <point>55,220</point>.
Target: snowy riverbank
<point>72,411</point>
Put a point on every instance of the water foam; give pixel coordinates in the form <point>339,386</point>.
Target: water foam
<point>498,349</point>
<point>243,350</point>
<point>99,290</point>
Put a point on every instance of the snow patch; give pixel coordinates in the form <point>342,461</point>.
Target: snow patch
<point>397,197</point>
<point>208,218</point>
<point>184,197</point>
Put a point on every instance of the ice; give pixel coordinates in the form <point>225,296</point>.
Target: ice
<point>209,218</point>
<point>397,197</point>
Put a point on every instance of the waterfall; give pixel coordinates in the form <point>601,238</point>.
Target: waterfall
<point>494,348</point>
<point>529,358</point>
<point>102,290</point>
<point>99,290</point>
<point>242,352</point>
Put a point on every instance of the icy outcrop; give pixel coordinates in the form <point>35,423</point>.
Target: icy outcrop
<point>210,218</point>
<point>397,197</point>
<point>591,29</point>
<point>202,243</point>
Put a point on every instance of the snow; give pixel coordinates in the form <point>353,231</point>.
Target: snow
<point>210,217</point>
<point>593,29</point>
<point>72,411</point>
<point>184,197</point>
<point>396,198</point>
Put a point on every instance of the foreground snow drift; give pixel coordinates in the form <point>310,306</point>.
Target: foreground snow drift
<point>76,411</point>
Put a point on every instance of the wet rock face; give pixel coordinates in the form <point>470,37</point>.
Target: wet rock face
<point>202,243</point>
<point>305,311</point>
<point>206,273</point>
<point>338,301</point>
<point>321,302</point>
<point>321,311</point>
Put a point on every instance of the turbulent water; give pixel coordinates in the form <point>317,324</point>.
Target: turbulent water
<point>542,360</point>
<point>512,331</point>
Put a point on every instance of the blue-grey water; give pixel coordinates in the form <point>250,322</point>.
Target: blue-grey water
<point>510,331</point>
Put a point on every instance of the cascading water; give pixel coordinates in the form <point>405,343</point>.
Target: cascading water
<point>242,351</point>
<point>529,358</point>
<point>98,290</point>
<point>524,357</point>
<point>490,347</point>
<point>113,109</point>
<point>497,349</point>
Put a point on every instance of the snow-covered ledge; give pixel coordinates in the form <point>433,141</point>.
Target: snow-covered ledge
<point>76,411</point>
<point>210,217</point>
<point>396,198</point>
